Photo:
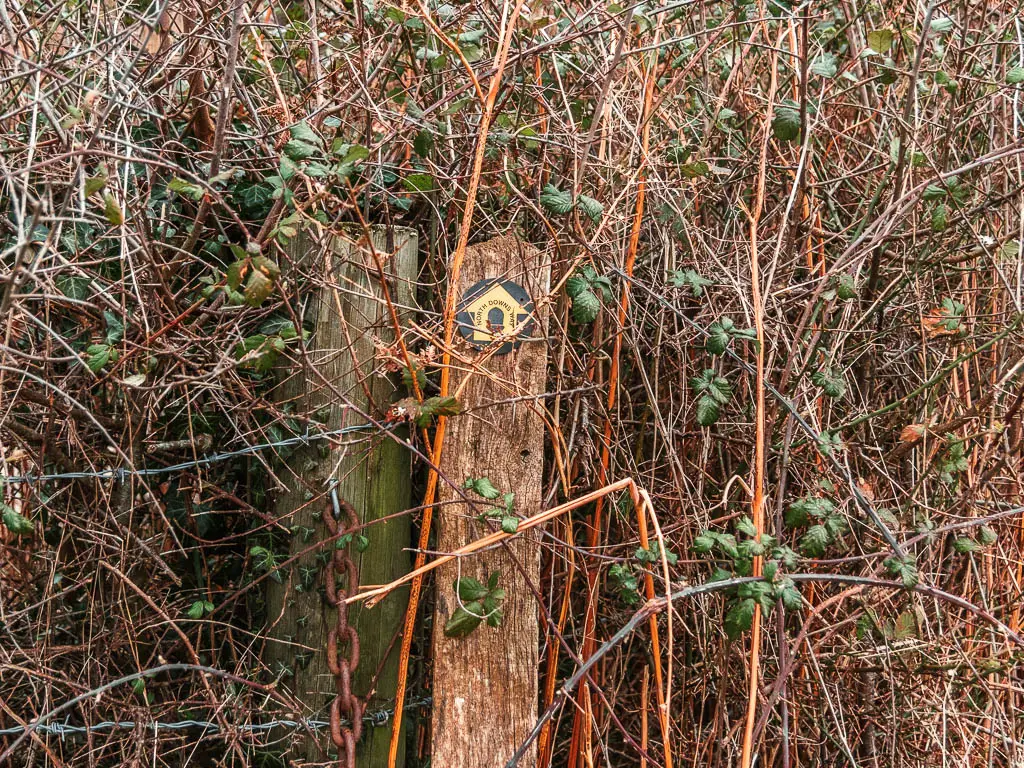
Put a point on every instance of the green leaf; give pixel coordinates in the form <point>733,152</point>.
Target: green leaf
<point>718,338</point>
<point>940,217</point>
<point>791,599</point>
<point>112,210</point>
<point>196,610</point>
<point>905,568</point>
<point>880,40</point>
<point>814,542</point>
<point>739,618</point>
<point>760,592</point>
<point>94,184</point>
<point>825,65</point>
<point>695,170</point>
<point>482,486</point>
<point>786,123</point>
<point>708,411</point>
<point>703,544</point>
<point>941,24</point>
<point>1015,76</point>
<point>987,536</point>
<point>419,182</point>
<point>846,287</point>
<point>299,150</point>
<point>509,524</point>
<point>831,383</point>
<point>688,278</point>
<point>576,285</point>
<point>586,307</point>
<point>304,133</point>
<point>714,386</point>
<point>98,356</point>
<point>964,545</point>
<point>16,523</point>
<point>746,526</point>
<point>74,287</point>
<point>590,207</point>
<point>469,589</point>
<point>463,621</point>
<point>186,189</point>
<point>115,328</point>
<point>423,142</point>
<point>555,200</point>
<point>258,287</point>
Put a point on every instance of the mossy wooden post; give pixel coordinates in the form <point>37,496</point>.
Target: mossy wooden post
<point>373,474</point>
<point>485,684</point>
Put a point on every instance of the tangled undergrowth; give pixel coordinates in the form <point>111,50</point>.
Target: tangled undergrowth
<point>788,284</point>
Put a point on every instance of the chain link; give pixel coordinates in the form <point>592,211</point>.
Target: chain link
<point>346,709</point>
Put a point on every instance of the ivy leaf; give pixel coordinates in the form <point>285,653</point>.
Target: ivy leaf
<point>115,328</point>
<point>299,150</point>
<point>739,618</point>
<point>302,132</point>
<point>463,621</point>
<point>16,523</point>
<point>586,307</point>
<point>260,284</point>
<point>825,65</point>
<point>482,486</point>
<point>830,382</point>
<point>591,207</point>
<point>98,356</point>
<point>815,540</point>
<point>786,124</point>
<point>555,200</point>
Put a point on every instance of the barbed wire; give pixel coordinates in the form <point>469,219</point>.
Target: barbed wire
<point>122,473</point>
<point>376,718</point>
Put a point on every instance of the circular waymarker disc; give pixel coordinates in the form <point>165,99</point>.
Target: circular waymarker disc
<point>494,309</point>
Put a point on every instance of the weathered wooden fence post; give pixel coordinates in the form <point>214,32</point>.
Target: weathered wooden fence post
<point>372,473</point>
<point>485,683</point>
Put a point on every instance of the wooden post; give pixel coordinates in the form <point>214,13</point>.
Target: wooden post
<point>485,684</point>
<point>373,474</point>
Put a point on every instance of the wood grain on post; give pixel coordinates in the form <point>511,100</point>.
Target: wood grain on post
<point>373,474</point>
<point>485,684</point>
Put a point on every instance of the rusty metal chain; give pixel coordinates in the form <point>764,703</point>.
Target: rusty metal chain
<point>341,520</point>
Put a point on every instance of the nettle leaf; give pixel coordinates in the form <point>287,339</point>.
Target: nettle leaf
<point>482,486</point>
<point>586,306</point>
<point>555,200</point>
<point>590,207</point>
<point>815,540</point>
<point>905,568</point>
<point>689,278</point>
<point>739,618</point>
<point>16,522</point>
<point>831,383</point>
<point>786,123</point>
